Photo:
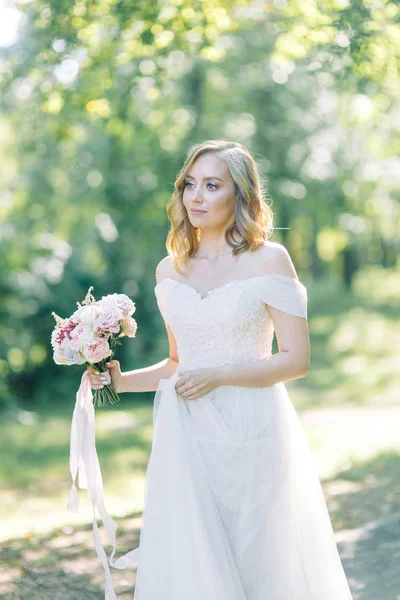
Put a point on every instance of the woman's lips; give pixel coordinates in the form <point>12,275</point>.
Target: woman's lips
<point>197,212</point>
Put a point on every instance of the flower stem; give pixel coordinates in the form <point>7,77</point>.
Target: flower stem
<point>107,395</point>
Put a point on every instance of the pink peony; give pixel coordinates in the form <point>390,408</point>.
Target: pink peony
<point>80,336</point>
<point>129,327</point>
<point>97,350</point>
<point>109,321</point>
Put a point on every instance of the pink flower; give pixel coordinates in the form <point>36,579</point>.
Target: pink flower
<point>80,336</point>
<point>109,321</point>
<point>129,327</point>
<point>97,350</point>
<point>63,331</point>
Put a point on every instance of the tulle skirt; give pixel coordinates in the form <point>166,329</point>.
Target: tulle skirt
<point>233,506</point>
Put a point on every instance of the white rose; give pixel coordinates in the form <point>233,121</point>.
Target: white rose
<point>67,356</point>
<point>120,301</point>
<point>86,314</point>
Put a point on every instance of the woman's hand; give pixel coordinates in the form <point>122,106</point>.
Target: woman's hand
<point>112,375</point>
<point>194,384</point>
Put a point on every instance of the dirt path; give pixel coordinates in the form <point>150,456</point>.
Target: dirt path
<point>64,566</point>
<point>371,559</point>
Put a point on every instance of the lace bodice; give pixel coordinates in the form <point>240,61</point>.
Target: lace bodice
<point>231,323</point>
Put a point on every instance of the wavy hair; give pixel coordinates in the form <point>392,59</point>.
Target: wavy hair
<point>253,222</point>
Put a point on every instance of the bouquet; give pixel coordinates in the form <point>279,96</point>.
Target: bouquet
<point>90,336</point>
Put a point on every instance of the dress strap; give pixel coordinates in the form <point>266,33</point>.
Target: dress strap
<point>285,293</point>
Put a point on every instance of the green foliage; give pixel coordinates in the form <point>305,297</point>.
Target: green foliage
<point>100,103</point>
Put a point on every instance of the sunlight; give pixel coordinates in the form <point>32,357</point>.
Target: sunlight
<point>10,21</point>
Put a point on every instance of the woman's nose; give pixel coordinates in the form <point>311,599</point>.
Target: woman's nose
<point>197,194</point>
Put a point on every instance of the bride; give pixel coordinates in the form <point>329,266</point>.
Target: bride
<point>233,506</point>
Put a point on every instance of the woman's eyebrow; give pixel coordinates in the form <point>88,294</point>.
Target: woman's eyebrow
<point>205,178</point>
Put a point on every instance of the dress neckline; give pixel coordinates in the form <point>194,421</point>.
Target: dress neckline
<point>223,285</point>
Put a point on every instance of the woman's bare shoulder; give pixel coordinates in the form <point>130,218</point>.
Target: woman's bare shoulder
<point>273,258</point>
<point>165,268</point>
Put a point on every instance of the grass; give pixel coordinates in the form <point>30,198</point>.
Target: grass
<point>354,336</point>
<point>35,477</point>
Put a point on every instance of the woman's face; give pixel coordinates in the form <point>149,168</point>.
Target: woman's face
<point>209,187</point>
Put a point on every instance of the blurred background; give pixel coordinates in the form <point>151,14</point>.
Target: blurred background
<point>100,102</point>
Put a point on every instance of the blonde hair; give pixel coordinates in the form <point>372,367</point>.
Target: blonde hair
<point>253,214</point>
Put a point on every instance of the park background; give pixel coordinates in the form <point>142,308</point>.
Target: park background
<point>100,102</point>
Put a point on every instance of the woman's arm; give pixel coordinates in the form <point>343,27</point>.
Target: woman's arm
<point>293,359</point>
<point>148,378</point>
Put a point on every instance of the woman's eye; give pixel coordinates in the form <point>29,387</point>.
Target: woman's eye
<point>189,183</point>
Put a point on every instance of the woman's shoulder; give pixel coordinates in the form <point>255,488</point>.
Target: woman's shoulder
<point>273,258</point>
<point>164,268</point>
<point>283,290</point>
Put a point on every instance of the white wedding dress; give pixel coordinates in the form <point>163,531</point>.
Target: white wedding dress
<point>233,506</point>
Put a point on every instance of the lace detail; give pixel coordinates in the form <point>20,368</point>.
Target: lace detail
<point>231,323</point>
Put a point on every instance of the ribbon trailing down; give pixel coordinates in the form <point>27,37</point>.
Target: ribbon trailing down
<point>84,462</point>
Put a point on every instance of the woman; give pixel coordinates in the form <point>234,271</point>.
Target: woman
<point>234,509</point>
